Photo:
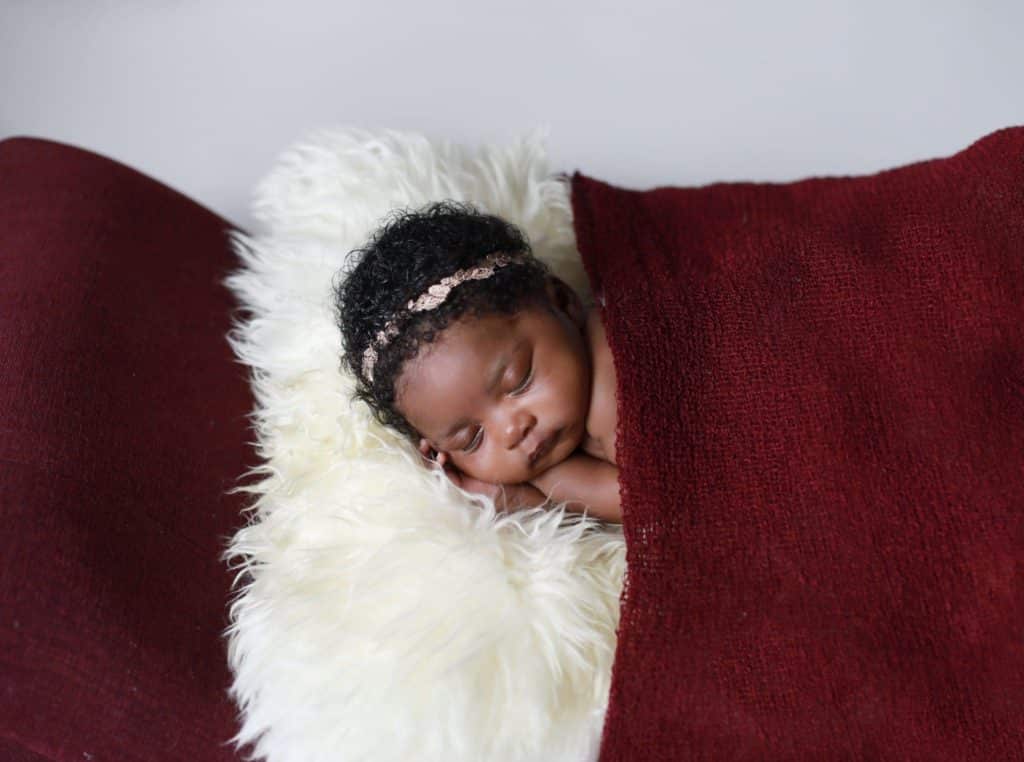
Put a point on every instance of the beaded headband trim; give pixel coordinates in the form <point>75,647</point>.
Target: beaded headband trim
<point>431,298</point>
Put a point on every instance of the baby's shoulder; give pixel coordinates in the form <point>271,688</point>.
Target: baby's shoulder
<point>597,340</point>
<point>602,419</point>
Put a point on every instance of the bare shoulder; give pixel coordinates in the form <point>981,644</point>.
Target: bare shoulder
<point>595,330</point>
<point>602,420</point>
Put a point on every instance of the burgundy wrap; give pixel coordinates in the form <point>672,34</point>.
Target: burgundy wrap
<point>123,422</point>
<point>821,453</point>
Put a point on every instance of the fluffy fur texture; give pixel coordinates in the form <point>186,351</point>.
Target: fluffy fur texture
<point>381,613</point>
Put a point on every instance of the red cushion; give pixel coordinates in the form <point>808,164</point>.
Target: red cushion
<point>122,424</point>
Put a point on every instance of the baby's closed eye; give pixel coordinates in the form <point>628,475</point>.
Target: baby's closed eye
<point>478,435</point>
<point>474,442</point>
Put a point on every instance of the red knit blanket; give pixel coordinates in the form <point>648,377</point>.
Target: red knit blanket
<point>821,460</point>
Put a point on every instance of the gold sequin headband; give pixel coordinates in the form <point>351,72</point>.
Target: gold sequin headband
<point>431,298</point>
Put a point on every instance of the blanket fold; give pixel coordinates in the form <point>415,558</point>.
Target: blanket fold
<point>821,454</point>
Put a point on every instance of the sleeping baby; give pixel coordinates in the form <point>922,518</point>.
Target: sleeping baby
<point>463,341</point>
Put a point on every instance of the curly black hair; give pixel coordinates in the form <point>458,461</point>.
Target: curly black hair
<point>411,251</point>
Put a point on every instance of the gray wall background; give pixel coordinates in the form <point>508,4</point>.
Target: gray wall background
<point>204,94</point>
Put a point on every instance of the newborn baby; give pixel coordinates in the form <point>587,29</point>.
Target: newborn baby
<point>463,341</point>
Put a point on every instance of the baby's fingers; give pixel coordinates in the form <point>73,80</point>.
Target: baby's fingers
<point>453,474</point>
<point>427,452</point>
<point>431,458</point>
<point>450,470</point>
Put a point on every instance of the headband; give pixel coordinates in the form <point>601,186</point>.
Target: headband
<point>431,298</point>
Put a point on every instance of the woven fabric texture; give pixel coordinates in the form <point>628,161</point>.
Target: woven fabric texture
<point>821,444</point>
<point>123,423</point>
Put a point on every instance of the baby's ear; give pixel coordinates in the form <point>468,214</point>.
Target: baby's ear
<point>566,299</point>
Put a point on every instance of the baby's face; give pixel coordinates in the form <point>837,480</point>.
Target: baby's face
<point>492,390</point>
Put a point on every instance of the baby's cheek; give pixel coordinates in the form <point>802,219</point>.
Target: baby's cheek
<point>466,464</point>
<point>480,466</point>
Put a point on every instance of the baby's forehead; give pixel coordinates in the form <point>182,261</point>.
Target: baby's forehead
<point>468,349</point>
<point>479,335</point>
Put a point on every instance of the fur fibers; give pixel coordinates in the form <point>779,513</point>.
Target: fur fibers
<point>380,613</point>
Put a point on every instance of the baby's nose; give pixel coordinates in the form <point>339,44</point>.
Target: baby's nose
<point>519,425</point>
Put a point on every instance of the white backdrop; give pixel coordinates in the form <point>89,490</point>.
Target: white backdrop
<point>204,94</point>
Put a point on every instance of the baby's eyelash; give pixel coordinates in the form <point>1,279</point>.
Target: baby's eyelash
<point>470,447</point>
<point>526,383</point>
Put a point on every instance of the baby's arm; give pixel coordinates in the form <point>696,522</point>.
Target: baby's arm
<point>506,497</point>
<point>585,482</point>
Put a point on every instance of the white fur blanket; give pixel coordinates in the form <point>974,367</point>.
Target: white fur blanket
<point>381,614</point>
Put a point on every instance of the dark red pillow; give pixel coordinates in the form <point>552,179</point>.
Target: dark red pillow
<point>122,425</point>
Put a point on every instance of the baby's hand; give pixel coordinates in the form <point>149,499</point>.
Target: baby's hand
<point>461,480</point>
<point>506,497</point>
